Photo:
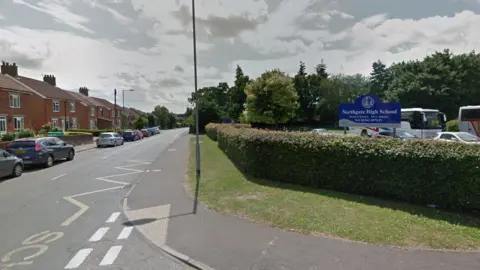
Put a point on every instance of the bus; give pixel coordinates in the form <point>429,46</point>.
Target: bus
<point>423,123</point>
<point>469,119</point>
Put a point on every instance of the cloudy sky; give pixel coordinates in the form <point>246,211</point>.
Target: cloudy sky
<point>146,44</point>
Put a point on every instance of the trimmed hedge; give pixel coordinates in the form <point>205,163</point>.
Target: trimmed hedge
<point>417,171</point>
<point>94,132</point>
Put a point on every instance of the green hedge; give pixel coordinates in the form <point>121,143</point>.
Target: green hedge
<point>94,132</point>
<point>417,171</point>
<point>452,126</point>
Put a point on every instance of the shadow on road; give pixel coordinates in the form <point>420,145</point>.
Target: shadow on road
<point>144,221</point>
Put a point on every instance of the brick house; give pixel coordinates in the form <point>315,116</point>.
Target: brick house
<point>18,108</point>
<point>112,115</point>
<point>88,111</point>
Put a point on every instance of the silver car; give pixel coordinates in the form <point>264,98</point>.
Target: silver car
<point>10,165</point>
<point>109,139</point>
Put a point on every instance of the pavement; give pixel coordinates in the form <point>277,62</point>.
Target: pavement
<point>70,216</point>
<point>162,211</point>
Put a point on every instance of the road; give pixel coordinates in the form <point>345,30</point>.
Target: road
<point>70,216</point>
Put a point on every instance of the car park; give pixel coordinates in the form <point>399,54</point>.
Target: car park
<point>41,151</point>
<point>461,137</point>
<point>10,165</point>
<point>130,135</point>
<point>109,139</point>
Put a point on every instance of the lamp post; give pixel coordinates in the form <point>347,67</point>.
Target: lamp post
<point>197,131</point>
<point>123,101</point>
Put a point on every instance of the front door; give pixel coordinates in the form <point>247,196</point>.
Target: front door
<point>3,124</point>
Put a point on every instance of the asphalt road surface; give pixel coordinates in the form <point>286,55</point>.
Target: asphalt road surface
<point>70,216</point>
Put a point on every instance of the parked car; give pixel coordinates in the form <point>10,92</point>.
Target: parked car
<point>462,137</point>
<point>146,133</point>
<point>10,165</point>
<point>152,131</point>
<point>399,134</point>
<point>42,151</point>
<point>130,135</point>
<point>109,139</point>
<point>319,130</point>
<point>140,134</point>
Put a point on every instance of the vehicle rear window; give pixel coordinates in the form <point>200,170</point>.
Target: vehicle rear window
<point>105,135</point>
<point>21,144</point>
<point>128,133</point>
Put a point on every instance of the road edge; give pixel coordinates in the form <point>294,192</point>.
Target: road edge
<point>165,248</point>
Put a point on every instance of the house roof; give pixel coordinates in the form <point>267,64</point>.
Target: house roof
<point>105,103</point>
<point>46,89</point>
<point>90,101</point>
<point>8,83</point>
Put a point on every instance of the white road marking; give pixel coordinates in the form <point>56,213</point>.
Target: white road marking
<point>147,170</point>
<point>78,259</point>
<point>172,150</point>
<point>159,170</point>
<point>105,157</point>
<point>62,175</point>
<point>99,234</point>
<point>111,255</point>
<point>113,217</point>
<point>125,233</point>
<point>155,231</point>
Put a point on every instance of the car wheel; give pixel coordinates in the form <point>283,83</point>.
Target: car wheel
<point>122,143</point>
<point>49,161</point>
<point>17,170</point>
<point>71,155</point>
<point>99,146</point>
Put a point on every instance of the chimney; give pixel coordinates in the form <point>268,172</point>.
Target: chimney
<point>83,91</point>
<point>9,69</point>
<point>50,79</point>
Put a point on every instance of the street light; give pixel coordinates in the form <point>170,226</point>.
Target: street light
<point>197,145</point>
<point>123,101</point>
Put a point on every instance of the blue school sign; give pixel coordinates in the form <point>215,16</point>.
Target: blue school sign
<point>370,111</point>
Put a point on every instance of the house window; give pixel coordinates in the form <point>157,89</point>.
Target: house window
<point>18,122</point>
<point>72,106</point>
<point>74,123</point>
<point>113,113</point>
<point>14,101</point>
<point>3,124</point>
<point>55,122</point>
<point>92,124</point>
<point>101,111</point>
<point>56,106</point>
<point>92,111</point>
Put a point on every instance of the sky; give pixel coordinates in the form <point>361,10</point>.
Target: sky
<point>146,45</point>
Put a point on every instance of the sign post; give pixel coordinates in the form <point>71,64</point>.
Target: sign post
<point>370,111</point>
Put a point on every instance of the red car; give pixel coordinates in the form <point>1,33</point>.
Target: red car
<point>140,134</point>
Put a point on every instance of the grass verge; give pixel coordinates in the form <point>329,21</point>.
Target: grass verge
<point>323,212</point>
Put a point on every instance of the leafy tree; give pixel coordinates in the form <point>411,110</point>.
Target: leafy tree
<point>161,113</point>
<point>140,122</point>
<point>236,95</point>
<point>151,120</point>
<point>380,78</point>
<point>321,70</point>
<point>271,98</point>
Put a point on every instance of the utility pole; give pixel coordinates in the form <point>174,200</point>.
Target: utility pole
<point>115,110</point>
<point>197,128</point>
<point>65,120</point>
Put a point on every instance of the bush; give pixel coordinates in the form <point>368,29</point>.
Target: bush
<point>421,172</point>
<point>94,132</point>
<point>211,129</point>
<point>77,133</point>
<point>26,133</point>
<point>8,137</point>
<point>452,126</point>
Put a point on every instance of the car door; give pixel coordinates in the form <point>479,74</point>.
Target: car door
<point>7,162</point>
<point>118,138</point>
<point>62,147</point>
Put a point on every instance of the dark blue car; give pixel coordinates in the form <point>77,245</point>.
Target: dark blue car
<point>130,135</point>
<point>42,151</point>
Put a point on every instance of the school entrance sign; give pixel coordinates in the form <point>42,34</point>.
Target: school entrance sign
<point>370,111</point>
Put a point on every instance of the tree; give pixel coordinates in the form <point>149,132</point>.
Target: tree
<point>161,114</point>
<point>271,98</point>
<point>140,123</point>
<point>236,95</point>
<point>380,78</point>
<point>321,70</point>
<point>151,120</point>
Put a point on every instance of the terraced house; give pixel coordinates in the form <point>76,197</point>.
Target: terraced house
<point>30,103</point>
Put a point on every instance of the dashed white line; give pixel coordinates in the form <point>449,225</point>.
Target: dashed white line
<point>159,170</point>
<point>113,217</point>
<point>98,235</point>
<point>78,259</point>
<point>125,233</point>
<point>111,255</point>
<point>172,150</point>
<point>147,170</point>
<point>62,175</point>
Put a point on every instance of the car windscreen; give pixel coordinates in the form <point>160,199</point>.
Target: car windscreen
<point>105,135</point>
<point>468,137</point>
<point>21,144</point>
<point>404,134</point>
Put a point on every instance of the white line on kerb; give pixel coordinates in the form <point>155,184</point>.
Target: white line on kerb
<point>62,175</point>
<point>98,235</point>
<point>113,217</point>
<point>78,259</point>
<point>111,255</point>
<point>125,233</point>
